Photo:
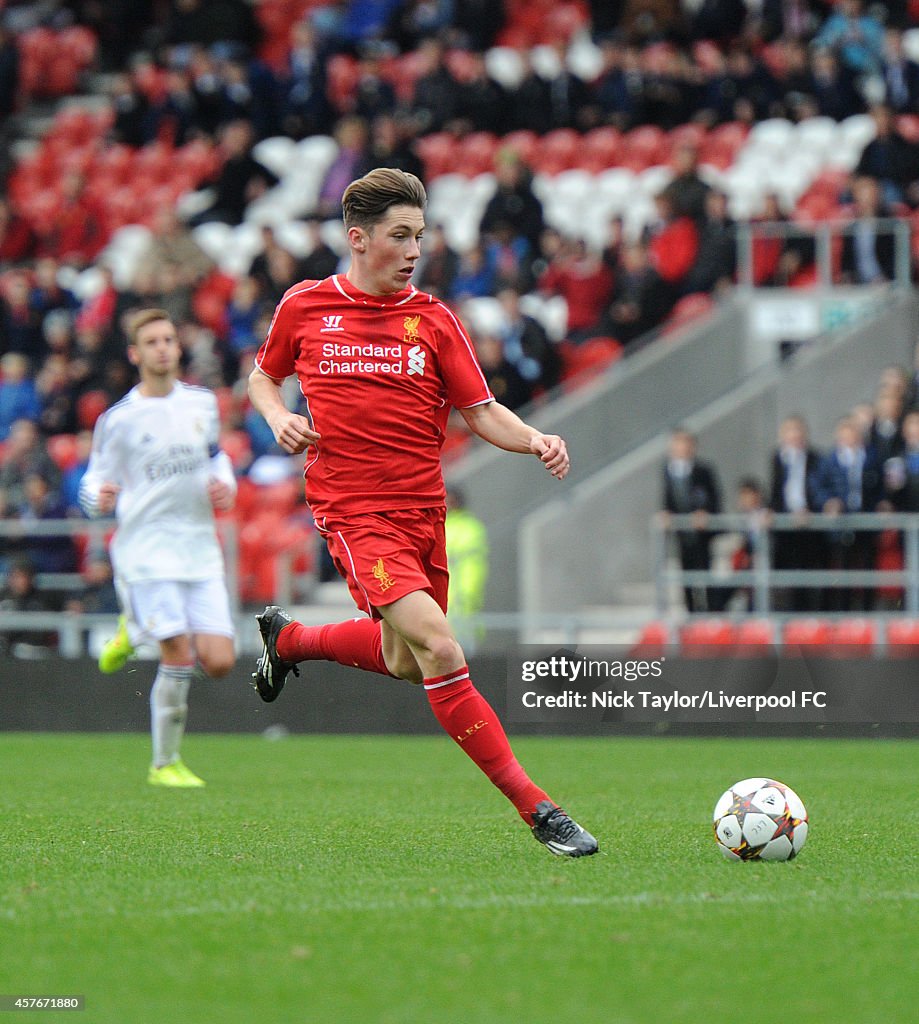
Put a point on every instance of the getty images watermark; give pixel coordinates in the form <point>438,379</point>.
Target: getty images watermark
<point>593,684</point>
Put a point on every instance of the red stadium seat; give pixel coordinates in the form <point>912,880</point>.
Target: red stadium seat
<point>705,638</point>
<point>903,638</point>
<point>689,309</point>
<point>558,151</point>
<point>476,154</point>
<point>587,360</point>
<point>755,633</point>
<point>438,154</point>
<point>601,149</point>
<point>652,641</point>
<point>523,143</point>
<point>812,633</point>
<point>853,638</point>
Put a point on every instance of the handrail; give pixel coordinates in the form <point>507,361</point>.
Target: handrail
<point>763,576</point>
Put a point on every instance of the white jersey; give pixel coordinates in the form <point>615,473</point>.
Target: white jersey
<point>161,452</point>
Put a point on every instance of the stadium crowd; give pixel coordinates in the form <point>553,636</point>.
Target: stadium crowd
<point>179,94</point>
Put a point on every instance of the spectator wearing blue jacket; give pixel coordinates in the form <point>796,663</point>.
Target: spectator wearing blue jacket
<point>18,398</point>
<point>857,38</point>
<point>850,480</point>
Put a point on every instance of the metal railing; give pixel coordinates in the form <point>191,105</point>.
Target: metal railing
<point>826,237</point>
<point>762,579</point>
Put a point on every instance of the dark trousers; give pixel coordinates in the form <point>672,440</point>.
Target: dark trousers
<point>851,550</point>
<point>798,549</point>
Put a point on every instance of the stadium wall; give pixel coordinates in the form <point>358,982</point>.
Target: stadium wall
<point>58,695</point>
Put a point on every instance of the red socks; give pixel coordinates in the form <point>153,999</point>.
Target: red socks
<point>357,643</point>
<point>470,720</point>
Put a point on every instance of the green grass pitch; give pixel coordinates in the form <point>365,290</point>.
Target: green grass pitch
<point>382,881</point>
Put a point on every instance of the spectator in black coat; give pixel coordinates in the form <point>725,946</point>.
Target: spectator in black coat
<point>690,487</point>
<point>793,491</point>
<point>514,203</point>
<point>890,158</point>
<point>20,594</point>
<point>437,93</point>
<point>716,259</point>
<point>868,253</point>
<point>241,179</point>
<point>901,475</point>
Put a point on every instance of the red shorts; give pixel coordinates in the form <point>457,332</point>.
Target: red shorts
<point>386,555</point>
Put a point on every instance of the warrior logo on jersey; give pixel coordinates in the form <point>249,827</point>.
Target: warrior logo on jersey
<point>382,576</point>
<point>331,323</point>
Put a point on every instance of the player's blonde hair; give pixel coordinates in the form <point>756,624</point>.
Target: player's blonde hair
<point>141,318</point>
<point>366,200</point>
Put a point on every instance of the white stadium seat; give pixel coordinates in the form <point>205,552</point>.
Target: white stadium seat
<point>279,154</point>
<point>505,65</point>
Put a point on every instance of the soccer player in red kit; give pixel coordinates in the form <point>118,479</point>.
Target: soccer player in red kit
<point>380,365</point>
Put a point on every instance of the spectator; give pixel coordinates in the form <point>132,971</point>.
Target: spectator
<point>352,161</point>
<point>687,191</point>
<point>504,380</point>
<point>482,103</point>
<point>436,97</point>
<point>305,108</point>
<point>70,481</point>
<point>40,503</point>
<point>514,202</point>
<point>793,491</point>
<point>716,259</point>
<point>509,257</point>
<point>891,159</point>
<point>74,234</point>
<point>673,244</point>
<point>618,89</point>
<point>18,396</point>
<point>474,277</point>
<point>21,594</point>
<point>690,487</point>
<point>47,294</point>
<point>98,596</point>
<point>901,475</point>
<point>390,145</point>
<point>134,123</point>
<point>856,37</point>
<point>792,20</point>
<point>480,21</point>
<point>373,96</point>
<point>9,73</point>
<point>241,179</point>
<point>569,96</point>
<point>868,253</point>
<point>439,264</point>
<point>321,261</point>
<point>529,101</point>
<point>98,310</point>
<point>23,456</point>
<point>849,479</point>
<point>834,90</point>
<point>204,22</point>
<point>901,75</point>
<point>526,344</point>
<point>720,20</point>
<point>243,314</point>
<point>748,503</point>
<point>585,282</point>
<point>884,435</point>
<point>416,20</point>
<point>640,297</point>
<point>265,264</point>
<point>21,327</point>
<point>17,239</point>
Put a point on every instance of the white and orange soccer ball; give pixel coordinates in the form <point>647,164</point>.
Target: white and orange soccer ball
<point>760,819</point>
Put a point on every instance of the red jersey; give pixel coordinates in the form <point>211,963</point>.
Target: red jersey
<point>379,374</point>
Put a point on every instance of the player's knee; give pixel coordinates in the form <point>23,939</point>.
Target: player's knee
<point>218,664</point>
<point>444,651</point>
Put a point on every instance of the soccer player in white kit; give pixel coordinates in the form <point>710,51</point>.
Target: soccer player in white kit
<point>156,464</point>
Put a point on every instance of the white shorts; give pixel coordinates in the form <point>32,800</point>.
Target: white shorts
<point>162,609</point>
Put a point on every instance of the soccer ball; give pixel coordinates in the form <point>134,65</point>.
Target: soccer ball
<point>760,819</point>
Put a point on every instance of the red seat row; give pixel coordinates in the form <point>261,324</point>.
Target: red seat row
<point>850,637</point>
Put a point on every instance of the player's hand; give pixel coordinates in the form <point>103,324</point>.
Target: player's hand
<point>220,494</point>
<point>108,498</point>
<point>293,432</point>
<point>553,453</point>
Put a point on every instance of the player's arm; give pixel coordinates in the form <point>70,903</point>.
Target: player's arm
<point>99,488</point>
<point>499,426</point>
<point>292,431</point>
